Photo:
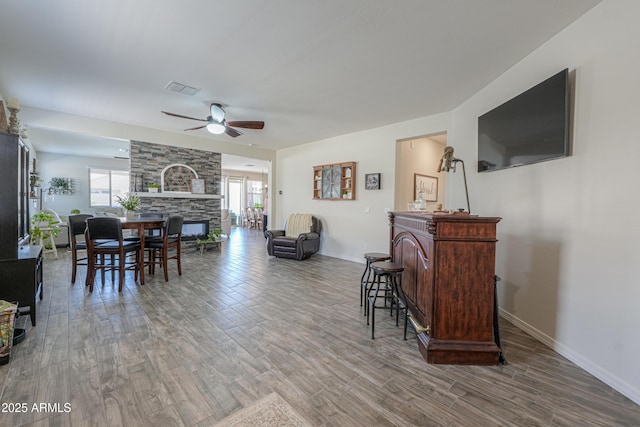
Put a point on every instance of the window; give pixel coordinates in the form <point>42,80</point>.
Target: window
<point>106,184</point>
<point>254,193</point>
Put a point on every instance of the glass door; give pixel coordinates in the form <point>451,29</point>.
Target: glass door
<point>235,193</point>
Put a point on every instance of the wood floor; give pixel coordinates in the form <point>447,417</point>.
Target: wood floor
<point>239,325</point>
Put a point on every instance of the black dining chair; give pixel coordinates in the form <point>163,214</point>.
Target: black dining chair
<point>104,237</point>
<point>77,226</point>
<point>159,246</point>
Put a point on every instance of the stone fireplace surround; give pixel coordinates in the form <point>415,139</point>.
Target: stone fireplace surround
<point>147,160</point>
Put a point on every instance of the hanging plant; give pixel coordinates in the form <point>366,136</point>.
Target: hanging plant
<point>60,186</point>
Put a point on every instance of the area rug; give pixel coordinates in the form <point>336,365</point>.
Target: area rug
<point>270,411</point>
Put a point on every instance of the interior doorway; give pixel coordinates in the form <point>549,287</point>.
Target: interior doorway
<point>419,157</point>
<point>235,196</point>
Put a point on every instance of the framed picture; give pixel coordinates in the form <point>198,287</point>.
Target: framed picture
<point>197,186</point>
<point>372,181</point>
<point>426,184</point>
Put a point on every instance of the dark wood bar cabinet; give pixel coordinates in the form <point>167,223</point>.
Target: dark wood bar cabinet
<point>449,282</point>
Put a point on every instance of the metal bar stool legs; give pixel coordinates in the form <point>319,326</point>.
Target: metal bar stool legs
<point>365,284</point>
<point>392,291</point>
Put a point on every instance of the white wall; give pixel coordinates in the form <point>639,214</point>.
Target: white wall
<point>569,249</point>
<point>350,227</point>
<point>76,167</point>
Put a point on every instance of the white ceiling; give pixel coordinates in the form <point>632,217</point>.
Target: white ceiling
<point>77,144</point>
<point>310,69</point>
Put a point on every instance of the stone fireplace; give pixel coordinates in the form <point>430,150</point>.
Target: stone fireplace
<point>147,162</point>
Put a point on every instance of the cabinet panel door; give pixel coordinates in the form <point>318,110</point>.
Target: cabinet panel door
<point>424,291</point>
<point>416,276</point>
<point>331,177</point>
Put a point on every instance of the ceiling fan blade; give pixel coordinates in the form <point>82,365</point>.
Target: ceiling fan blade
<point>196,128</point>
<point>183,117</point>
<point>247,124</point>
<point>232,132</point>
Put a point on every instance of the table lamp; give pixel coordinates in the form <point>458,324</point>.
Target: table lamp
<point>448,164</point>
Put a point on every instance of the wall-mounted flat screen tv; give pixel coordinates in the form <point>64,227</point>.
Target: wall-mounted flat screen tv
<point>530,128</point>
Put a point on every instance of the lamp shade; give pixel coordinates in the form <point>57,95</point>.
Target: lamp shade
<point>216,128</point>
<point>448,164</point>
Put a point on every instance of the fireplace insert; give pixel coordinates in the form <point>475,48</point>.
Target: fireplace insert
<point>191,230</point>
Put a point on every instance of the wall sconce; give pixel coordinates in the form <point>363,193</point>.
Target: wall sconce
<point>448,164</point>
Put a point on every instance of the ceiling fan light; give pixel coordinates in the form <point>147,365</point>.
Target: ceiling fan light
<point>216,128</point>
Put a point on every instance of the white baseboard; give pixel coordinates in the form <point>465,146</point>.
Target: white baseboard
<point>594,369</point>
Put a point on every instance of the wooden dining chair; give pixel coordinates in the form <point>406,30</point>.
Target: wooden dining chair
<point>258,218</point>
<point>251,218</point>
<point>159,246</point>
<point>104,237</point>
<point>77,226</point>
<point>245,217</point>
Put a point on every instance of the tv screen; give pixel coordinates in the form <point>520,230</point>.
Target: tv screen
<point>530,128</point>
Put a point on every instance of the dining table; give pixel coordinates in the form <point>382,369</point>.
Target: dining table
<point>141,225</point>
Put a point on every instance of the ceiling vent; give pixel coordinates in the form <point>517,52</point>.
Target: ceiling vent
<point>181,88</point>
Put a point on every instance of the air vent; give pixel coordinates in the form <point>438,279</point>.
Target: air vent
<point>181,88</point>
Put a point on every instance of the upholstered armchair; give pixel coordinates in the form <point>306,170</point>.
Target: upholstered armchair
<point>225,222</point>
<point>299,240</point>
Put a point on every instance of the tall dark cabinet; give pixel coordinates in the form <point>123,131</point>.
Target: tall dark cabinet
<point>20,263</point>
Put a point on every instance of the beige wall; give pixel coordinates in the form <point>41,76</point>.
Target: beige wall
<point>418,156</point>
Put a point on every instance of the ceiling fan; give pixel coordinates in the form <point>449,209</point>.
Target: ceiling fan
<point>217,124</point>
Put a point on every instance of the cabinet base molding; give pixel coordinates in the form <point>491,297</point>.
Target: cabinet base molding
<point>449,352</point>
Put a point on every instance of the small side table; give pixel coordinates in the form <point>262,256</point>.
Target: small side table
<point>218,242</point>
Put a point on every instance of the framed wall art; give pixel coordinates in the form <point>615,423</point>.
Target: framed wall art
<point>197,186</point>
<point>372,181</point>
<point>426,184</point>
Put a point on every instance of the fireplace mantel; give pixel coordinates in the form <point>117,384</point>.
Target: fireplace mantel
<point>179,195</point>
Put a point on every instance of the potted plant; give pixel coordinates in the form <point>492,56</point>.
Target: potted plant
<point>153,187</point>
<point>34,179</point>
<point>43,226</point>
<point>214,236</point>
<point>130,202</point>
<point>75,211</point>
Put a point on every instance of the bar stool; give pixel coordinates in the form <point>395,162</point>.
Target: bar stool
<point>370,257</point>
<point>391,290</point>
